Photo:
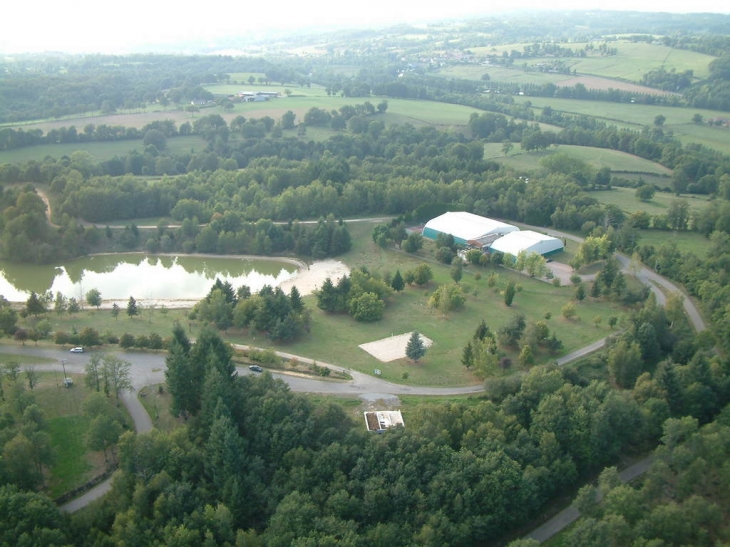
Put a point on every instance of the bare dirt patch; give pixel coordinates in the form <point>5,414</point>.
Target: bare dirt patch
<point>604,84</point>
<point>312,276</point>
<point>393,347</point>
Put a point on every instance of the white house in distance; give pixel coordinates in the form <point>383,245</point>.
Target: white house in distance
<point>527,240</point>
<point>467,228</point>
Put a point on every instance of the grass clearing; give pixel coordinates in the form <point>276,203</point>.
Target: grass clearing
<point>334,338</point>
<point>619,162</point>
<point>626,199</point>
<point>687,242</point>
<point>72,467</point>
<point>67,427</point>
<point>631,62</point>
<point>101,151</point>
<point>638,115</point>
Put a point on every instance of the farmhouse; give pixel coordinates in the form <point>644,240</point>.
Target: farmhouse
<point>467,228</point>
<point>383,419</point>
<point>529,241</point>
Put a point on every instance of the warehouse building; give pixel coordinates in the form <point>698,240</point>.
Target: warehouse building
<point>527,240</point>
<point>467,228</point>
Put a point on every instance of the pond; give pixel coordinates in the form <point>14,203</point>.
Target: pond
<point>145,277</point>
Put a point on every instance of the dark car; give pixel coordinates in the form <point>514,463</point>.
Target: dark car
<point>255,368</point>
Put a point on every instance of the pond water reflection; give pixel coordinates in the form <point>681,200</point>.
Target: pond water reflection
<point>119,276</point>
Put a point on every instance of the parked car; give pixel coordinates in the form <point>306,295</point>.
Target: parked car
<point>77,350</point>
<point>255,368</point>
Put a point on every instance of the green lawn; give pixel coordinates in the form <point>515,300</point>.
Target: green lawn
<point>334,338</point>
<point>72,467</point>
<point>67,427</point>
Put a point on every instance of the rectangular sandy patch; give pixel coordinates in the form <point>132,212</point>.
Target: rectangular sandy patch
<point>393,347</point>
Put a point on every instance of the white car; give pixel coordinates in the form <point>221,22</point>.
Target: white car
<point>77,350</point>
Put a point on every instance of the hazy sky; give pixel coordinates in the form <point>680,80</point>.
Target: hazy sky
<point>116,27</point>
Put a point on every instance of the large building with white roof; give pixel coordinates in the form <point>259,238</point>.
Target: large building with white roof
<point>526,240</point>
<point>467,228</point>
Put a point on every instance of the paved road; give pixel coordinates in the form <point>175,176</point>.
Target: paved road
<point>649,278</point>
<point>569,515</point>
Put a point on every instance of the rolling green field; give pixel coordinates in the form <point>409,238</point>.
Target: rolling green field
<point>717,138</point>
<point>632,61</point>
<point>626,199</point>
<point>687,242</point>
<point>618,162</point>
<point>499,74</point>
<point>637,115</point>
<point>101,151</point>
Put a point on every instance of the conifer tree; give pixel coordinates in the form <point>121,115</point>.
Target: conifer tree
<point>415,348</point>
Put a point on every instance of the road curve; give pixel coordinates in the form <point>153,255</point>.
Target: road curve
<point>648,277</point>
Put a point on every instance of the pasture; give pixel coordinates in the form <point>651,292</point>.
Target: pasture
<point>626,200</point>
<point>686,242</point>
<point>100,151</point>
<point>632,61</point>
<point>619,162</point>
<point>636,115</point>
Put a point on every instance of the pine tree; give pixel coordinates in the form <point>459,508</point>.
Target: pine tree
<point>296,300</point>
<point>467,356</point>
<point>415,348</point>
<point>482,331</point>
<point>132,307</point>
<point>509,293</point>
<point>397,283</point>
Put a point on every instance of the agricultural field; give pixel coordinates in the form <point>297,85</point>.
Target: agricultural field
<point>626,199</point>
<point>633,60</point>
<point>100,151</point>
<point>619,162</point>
<point>714,137</point>
<point>499,74</point>
<point>687,242</point>
<point>636,115</point>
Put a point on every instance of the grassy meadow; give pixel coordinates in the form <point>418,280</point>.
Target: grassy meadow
<point>632,61</point>
<point>619,162</point>
<point>67,427</point>
<point>626,199</point>
<point>100,151</point>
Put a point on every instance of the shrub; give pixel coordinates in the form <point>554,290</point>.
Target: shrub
<point>126,341</point>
